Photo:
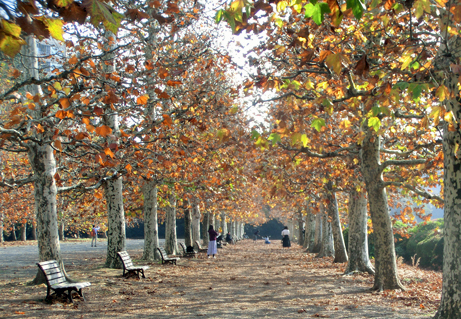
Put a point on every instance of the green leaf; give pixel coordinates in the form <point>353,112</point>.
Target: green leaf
<point>255,134</point>
<point>375,123</point>
<point>219,15</point>
<point>318,123</point>
<point>113,27</point>
<point>274,137</point>
<point>316,11</point>
<point>357,8</point>
<point>55,28</point>
<point>400,85</point>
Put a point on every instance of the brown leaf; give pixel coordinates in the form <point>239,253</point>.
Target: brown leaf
<point>362,66</point>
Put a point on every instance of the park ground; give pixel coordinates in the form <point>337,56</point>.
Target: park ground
<point>246,280</point>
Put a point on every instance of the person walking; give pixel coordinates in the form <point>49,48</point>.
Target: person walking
<point>286,237</point>
<point>256,233</point>
<point>94,235</point>
<point>212,246</point>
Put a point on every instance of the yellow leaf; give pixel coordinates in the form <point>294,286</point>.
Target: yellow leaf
<point>334,62</point>
<point>57,86</point>
<point>442,92</point>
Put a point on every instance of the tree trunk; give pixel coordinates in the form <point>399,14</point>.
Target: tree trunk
<point>333,213</point>
<point>44,166</point>
<point>386,276</point>
<point>2,239</point>
<point>450,304</point>
<point>149,190</point>
<point>196,223</point>
<point>205,222</point>
<point>24,232</point>
<point>310,230</point>
<point>188,227</point>
<point>34,230</point>
<point>300,228</point>
<point>224,224</point>
<point>327,249</point>
<point>171,240</point>
<point>13,232</point>
<point>318,235</point>
<point>116,233</point>
<point>61,230</point>
<point>359,260</point>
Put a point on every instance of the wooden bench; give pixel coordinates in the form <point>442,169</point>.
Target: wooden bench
<point>185,253</point>
<point>128,266</point>
<point>55,280</point>
<point>199,248</point>
<point>165,258</point>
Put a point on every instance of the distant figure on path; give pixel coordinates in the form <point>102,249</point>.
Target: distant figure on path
<point>94,235</point>
<point>229,238</point>
<point>212,246</point>
<point>266,240</point>
<point>256,235</point>
<point>286,237</point>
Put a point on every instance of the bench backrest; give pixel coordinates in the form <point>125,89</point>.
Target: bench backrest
<point>198,244</point>
<point>183,247</point>
<point>52,272</point>
<point>126,260</point>
<point>162,252</point>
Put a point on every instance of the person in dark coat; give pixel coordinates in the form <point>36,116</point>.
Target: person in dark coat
<point>286,237</point>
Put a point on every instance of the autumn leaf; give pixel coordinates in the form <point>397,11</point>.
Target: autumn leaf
<point>57,144</point>
<point>142,100</point>
<point>109,152</point>
<point>65,103</point>
<point>167,120</point>
<point>318,123</point>
<point>73,60</point>
<point>334,62</point>
<point>103,130</point>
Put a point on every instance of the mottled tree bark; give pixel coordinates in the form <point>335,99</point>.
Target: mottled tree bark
<point>206,223</point>
<point>23,232</point>
<point>44,166</point>
<point>171,240</point>
<point>188,227</point>
<point>450,304</point>
<point>310,231</point>
<point>149,190</point>
<point>327,249</point>
<point>2,239</point>
<point>333,213</point>
<point>359,260</point>
<point>300,228</point>
<point>386,276</point>
<point>196,223</point>
<point>318,234</point>
<point>116,233</point>
<point>13,232</point>
<point>61,230</point>
<point>34,230</point>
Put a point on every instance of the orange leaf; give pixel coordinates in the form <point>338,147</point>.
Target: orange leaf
<point>167,120</point>
<point>58,145</point>
<point>162,73</point>
<point>40,128</point>
<point>73,60</point>
<point>142,99</point>
<point>61,114</point>
<point>173,83</point>
<point>29,96</point>
<point>108,151</point>
<point>86,120</point>
<point>103,130</point>
<point>129,168</point>
<point>124,134</point>
<point>65,103</point>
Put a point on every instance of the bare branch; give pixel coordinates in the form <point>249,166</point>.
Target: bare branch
<point>417,191</point>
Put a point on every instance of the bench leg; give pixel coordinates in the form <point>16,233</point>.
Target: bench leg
<point>80,293</point>
<point>48,296</point>
<point>142,272</point>
<point>69,295</point>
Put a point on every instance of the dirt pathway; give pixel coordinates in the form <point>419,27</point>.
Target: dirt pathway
<point>247,280</point>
